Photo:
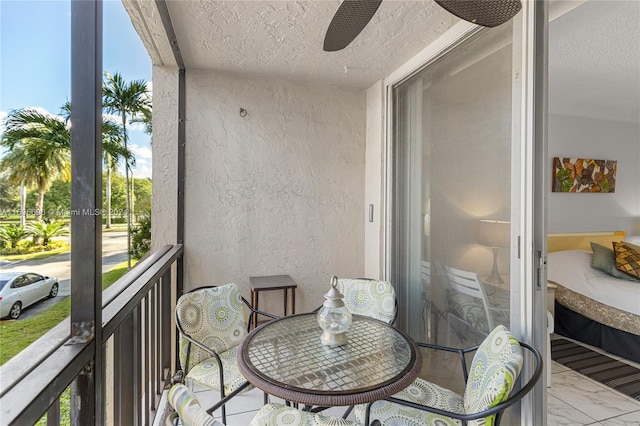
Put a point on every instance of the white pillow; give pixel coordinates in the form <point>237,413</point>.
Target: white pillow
<point>634,239</point>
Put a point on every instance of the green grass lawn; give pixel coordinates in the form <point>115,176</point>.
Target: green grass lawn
<point>17,335</point>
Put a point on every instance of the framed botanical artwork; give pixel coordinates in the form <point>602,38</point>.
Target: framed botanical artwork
<point>583,175</point>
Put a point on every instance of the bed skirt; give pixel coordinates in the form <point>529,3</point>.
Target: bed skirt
<point>578,327</point>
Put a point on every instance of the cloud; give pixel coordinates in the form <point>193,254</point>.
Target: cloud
<point>140,152</point>
<point>136,127</point>
<point>142,170</point>
<point>131,126</point>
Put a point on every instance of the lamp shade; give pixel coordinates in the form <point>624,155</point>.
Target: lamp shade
<point>494,233</point>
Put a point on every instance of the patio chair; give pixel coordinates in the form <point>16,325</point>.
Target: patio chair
<point>187,409</point>
<point>211,322</point>
<point>368,297</point>
<point>469,303</point>
<point>495,369</point>
<point>190,413</point>
<point>371,298</point>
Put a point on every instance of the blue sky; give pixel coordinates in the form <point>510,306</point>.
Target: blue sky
<point>35,59</point>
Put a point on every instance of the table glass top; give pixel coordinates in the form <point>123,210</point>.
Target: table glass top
<point>289,352</point>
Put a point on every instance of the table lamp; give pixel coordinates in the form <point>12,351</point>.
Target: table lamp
<point>494,234</point>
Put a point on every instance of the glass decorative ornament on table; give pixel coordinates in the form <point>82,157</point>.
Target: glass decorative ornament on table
<point>334,318</point>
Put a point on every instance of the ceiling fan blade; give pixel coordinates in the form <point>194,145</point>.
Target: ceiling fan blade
<point>487,13</point>
<point>350,19</point>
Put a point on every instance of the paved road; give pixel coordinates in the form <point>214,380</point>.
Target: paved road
<point>114,251</point>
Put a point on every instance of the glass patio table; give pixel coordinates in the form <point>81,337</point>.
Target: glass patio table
<point>286,358</point>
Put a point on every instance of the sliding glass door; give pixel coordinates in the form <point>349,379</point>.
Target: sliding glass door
<point>461,200</point>
<point>452,192</point>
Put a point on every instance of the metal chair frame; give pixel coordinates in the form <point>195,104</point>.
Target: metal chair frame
<point>223,398</point>
<point>498,410</point>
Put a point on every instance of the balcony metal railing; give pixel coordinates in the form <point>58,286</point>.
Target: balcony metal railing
<point>137,340</point>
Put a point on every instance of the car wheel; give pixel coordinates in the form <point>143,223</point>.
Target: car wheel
<point>54,291</point>
<point>14,313</point>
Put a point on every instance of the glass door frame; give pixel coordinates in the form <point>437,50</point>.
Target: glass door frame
<point>528,226</point>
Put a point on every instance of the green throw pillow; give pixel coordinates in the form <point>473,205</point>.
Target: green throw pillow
<point>604,260</point>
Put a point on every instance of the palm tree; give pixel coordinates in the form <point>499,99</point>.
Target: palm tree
<point>12,234</point>
<point>127,100</point>
<point>146,119</point>
<point>38,150</point>
<point>113,150</point>
<point>46,231</point>
<point>17,175</point>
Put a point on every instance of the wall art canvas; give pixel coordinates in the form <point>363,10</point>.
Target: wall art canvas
<point>583,175</point>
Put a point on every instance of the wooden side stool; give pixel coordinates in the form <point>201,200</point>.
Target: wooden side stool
<point>273,282</point>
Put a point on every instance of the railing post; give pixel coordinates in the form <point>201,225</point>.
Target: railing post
<point>87,396</point>
<point>53,414</point>
<point>136,372</point>
<point>144,353</point>
<point>122,368</point>
<point>152,369</point>
<point>165,323</point>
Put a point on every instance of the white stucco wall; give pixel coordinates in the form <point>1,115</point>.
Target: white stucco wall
<point>165,156</point>
<point>280,191</point>
<point>599,139</point>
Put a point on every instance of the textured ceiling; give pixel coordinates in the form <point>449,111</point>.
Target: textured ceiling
<point>594,61</point>
<point>283,39</point>
<point>594,52</point>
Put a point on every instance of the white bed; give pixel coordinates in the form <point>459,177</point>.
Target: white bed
<point>572,269</point>
<point>592,306</point>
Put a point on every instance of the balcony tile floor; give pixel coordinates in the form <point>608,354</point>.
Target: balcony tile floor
<point>573,399</point>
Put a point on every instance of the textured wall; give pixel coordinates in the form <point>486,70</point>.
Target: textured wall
<point>599,139</point>
<point>165,153</point>
<point>280,191</point>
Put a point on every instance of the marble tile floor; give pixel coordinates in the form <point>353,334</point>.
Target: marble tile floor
<point>572,399</point>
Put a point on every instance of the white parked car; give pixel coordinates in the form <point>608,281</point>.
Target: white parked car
<point>21,289</point>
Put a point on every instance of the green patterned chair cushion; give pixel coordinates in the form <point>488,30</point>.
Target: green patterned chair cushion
<point>207,373</point>
<point>376,299</point>
<point>213,316</point>
<point>188,409</point>
<point>493,373</point>
<point>420,392</point>
<point>281,415</point>
<point>494,370</point>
